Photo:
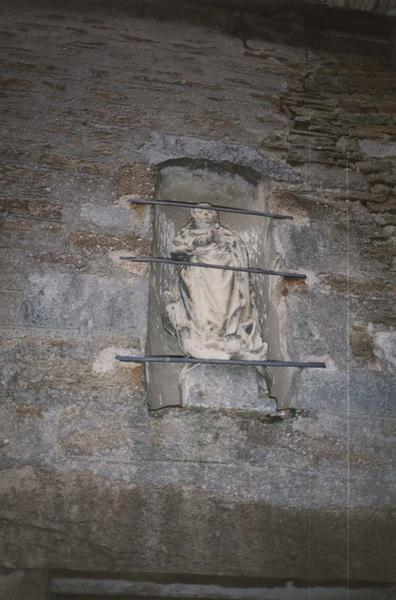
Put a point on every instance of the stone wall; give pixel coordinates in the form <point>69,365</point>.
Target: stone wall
<point>96,98</point>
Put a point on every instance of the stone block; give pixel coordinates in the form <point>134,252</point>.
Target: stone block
<point>35,208</point>
<point>162,147</point>
<point>23,585</point>
<point>206,589</point>
<point>224,388</point>
<point>119,218</point>
<point>110,218</point>
<point>332,177</point>
<point>10,303</point>
<point>376,149</point>
<point>85,302</point>
<point>137,180</point>
<point>369,392</point>
<point>71,164</point>
<point>96,241</point>
<point>263,525</point>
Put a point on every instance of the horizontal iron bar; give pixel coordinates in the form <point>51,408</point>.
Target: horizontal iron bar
<point>184,263</point>
<point>217,207</point>
<point>220,361</point>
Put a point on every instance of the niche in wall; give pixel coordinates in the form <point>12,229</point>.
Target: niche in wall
<point>213,386</point>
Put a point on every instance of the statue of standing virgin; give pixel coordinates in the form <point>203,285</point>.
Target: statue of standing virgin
<point>212,311</point>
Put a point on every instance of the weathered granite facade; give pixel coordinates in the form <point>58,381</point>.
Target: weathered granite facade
<point>96,100</point>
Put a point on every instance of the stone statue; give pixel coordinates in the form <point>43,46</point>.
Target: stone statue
<point>213,312</point>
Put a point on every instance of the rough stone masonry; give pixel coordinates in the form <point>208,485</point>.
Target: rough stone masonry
<point>97,98</point>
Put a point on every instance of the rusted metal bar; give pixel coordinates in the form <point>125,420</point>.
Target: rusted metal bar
<point>184,263</point>
<point>158,358</point>
<point>208,206</point>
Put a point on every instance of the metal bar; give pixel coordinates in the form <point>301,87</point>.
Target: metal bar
<point>217,207</point>
<point>184,263</point>
<point>157,358</point>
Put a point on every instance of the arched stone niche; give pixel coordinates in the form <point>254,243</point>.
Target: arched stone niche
<point>216,387</point>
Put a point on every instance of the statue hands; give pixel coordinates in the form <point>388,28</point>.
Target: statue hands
<point>203,239</point>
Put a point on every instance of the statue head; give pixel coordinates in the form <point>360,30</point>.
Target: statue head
<point>205,216</point>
